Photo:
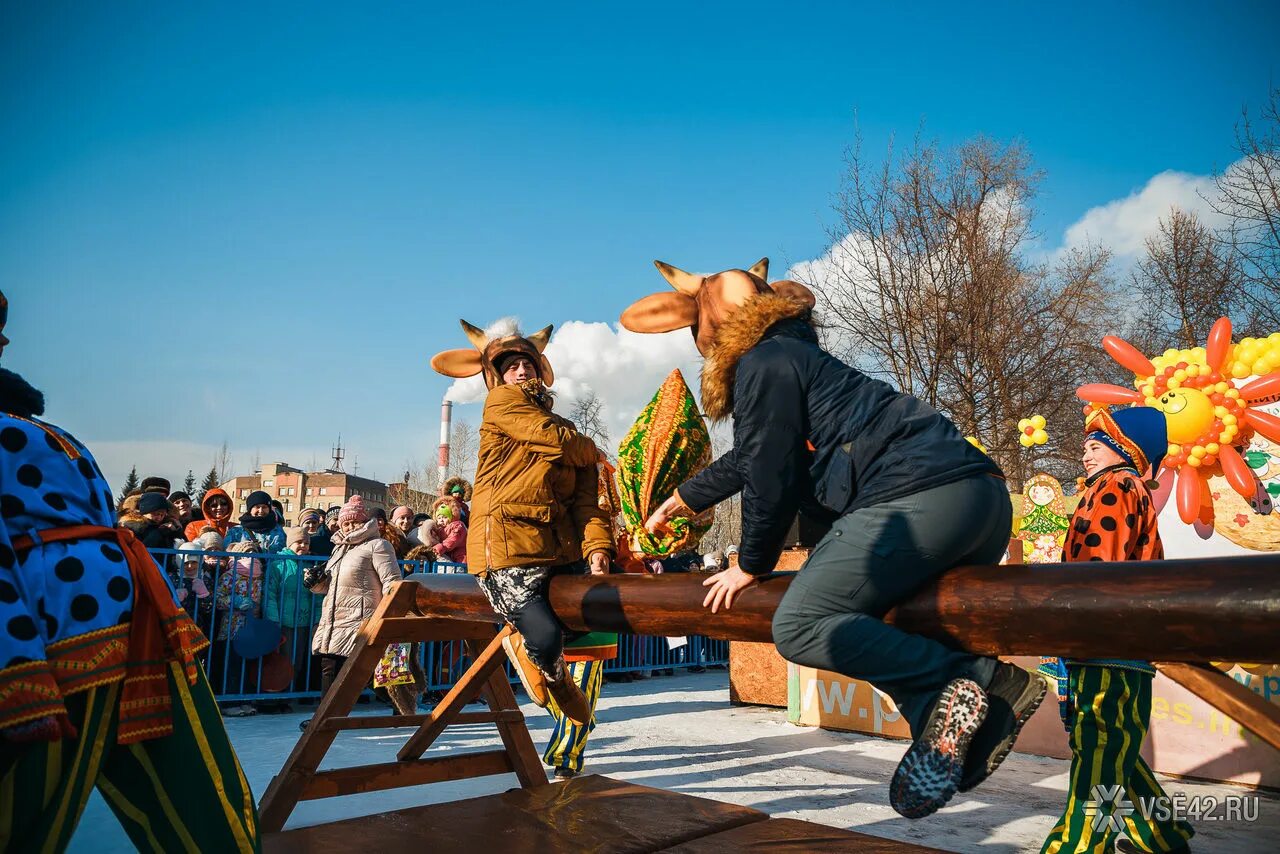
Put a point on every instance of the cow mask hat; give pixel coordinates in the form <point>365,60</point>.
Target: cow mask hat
<point>702,303</point>
<point>489,348</point>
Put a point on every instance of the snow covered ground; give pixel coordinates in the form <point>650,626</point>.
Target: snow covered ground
<point>680,733</point>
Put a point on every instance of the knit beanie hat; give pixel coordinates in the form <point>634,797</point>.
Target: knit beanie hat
<point>190,547</point>
<point>354,511</point>
<point>332,514</point>
<point>210,540</point>
<point>294,535</point>
<point>174,496</point>
<point>255,498</point>
<point>310,513</point>
<point>150,502</point>
<point>444,511</point>
<point>403,510</point>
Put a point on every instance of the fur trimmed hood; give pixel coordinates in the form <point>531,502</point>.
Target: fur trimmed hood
<point>738,333</point>
<point>19,397</point>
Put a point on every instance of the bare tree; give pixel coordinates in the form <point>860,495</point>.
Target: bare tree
<point>224,463</point>
<point>464,447</point>
<point>1248,194</point>
<point>1187,279</point>
<point>928,287</point>
<point>587,415</point>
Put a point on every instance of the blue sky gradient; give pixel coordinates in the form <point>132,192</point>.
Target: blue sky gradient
<point>258,224</point>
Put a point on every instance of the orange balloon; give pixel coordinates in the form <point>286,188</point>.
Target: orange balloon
<point>1105,393</point>
<point>1188,496</point>
<point>1262,387</point>
<point>1265,423</point>
<point>1237,472</point>
<point>1128,356</point>
<point>1219,343</point>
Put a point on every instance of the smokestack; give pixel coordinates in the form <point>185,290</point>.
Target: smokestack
<point>446,422</point>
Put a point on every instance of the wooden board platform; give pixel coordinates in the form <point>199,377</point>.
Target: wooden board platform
<point>789,836</point>
<point>586,815</point>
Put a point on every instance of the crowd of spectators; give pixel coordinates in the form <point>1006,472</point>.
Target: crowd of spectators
<point>248,580</point>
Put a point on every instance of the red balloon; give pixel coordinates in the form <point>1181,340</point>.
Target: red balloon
<point>1237,472</point>
<point>1188,496</point>
<point>1265,423</point>
<point>1262,387</point>
<point>1127,356</point>
<point>1106,393</point>
<point>1219,343</point>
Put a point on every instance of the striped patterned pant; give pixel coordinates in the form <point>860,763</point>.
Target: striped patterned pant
<point>1112,709</point>
<point>568,740</point>
<point>183,792</point>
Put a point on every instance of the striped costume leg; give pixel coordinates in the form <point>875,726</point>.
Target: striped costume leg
<point>182,792</point>
<point>568,740</point>
<point>1112,711</point>
<point>46,784</point>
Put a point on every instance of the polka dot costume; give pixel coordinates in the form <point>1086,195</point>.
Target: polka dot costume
<point>1114,521</point>
<point>50,480</point>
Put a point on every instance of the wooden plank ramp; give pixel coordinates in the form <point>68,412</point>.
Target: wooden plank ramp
<point>586,815</point>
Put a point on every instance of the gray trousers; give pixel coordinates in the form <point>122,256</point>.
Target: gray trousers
<point>873,559</point>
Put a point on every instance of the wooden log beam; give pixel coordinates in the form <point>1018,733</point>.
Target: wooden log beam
<point>1203,609</point>
<point>1260,716</point>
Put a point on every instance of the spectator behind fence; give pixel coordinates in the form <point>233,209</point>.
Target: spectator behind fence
<point>238,597</point>
<point>152,523</point>
<point>215,506</point>
<point>288,602</point>
<point>331,519</point>
<point>193,585</point>
<point>402,518</point>
<point>312,522</point>
<point>182,509</point>
<point>278,509</point>
<point>451,531</point>
<point>458,490</point>
<point>258,525</point>
<point>359,573</point>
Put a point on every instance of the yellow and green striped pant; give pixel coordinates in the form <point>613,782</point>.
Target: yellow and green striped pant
<point>1112,709</point>
<point>182,792</point>
<point>568,740</point>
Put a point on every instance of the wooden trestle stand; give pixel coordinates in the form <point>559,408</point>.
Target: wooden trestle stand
<point>1175,612</point>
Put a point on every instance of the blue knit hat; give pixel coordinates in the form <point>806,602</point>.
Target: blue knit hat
<point>1138,433</point>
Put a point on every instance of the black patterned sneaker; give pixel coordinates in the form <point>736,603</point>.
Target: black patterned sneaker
<point>1014,695</point>
<point>928,775</point>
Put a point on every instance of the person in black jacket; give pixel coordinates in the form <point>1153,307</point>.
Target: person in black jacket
<point>906,496</point>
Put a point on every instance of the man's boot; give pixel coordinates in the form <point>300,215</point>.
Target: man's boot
<point>569,696</point>
<point>1013,696</point>
<point>531,677</point>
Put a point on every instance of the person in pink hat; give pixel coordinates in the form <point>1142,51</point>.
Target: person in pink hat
<point>358,574</point>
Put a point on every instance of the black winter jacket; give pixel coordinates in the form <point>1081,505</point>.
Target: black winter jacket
<point>873,444</point>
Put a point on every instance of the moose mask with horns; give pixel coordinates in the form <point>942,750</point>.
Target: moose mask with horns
<point>702,303</point>
<point>489,351</point>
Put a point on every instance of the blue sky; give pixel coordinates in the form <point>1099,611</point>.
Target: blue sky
<point>188,196</point>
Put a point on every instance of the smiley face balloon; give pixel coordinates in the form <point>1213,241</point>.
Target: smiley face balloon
<point>1188,412</point>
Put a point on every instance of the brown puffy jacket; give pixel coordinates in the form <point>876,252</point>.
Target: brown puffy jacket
<point>361,571</point>
<point>535,496</point>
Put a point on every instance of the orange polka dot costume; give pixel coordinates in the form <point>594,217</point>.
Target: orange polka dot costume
<point>1106,703</point>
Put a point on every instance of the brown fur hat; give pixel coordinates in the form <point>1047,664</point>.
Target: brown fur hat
<point>490,347</point>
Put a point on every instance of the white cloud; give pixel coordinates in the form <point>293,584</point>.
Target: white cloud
<point>623,368</point>
<point>1124,224</point>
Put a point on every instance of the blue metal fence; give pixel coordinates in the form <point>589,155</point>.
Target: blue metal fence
<point>221,590</point>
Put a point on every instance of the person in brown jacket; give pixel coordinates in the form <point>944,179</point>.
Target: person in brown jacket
<point>534,508</point>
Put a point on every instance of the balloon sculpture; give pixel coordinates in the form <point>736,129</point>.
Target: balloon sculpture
<point>1032,431</point>
<point>1210,414</point>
